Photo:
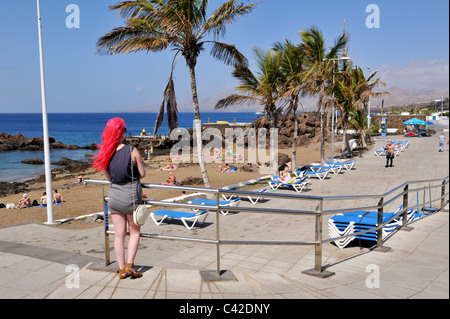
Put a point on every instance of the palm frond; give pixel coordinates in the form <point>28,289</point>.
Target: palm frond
<point>228,54</point>
<point>170,104</point>
<point>234,99</point>
<point>227,13</point>
<point>129,9</point>
<point>159,118</point>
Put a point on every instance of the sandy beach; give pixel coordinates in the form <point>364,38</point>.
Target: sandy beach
<point>80,199</point>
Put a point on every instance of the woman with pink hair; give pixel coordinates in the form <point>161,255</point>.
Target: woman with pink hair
<point>117,160</point>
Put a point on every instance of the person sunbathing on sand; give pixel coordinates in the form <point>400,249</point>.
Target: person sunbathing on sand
<point>168,167</point>
<point>171,180</point>
<point>43,200</point>
<point>25,201</point>
<point>224,169</point>
<point>57,197</point>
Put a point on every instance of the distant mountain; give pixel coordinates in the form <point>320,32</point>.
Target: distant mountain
<point>399,96</point>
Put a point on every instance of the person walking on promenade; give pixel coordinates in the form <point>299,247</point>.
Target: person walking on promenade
<point>117,160</point>
<point>441,142</point>
<point>390,153</point>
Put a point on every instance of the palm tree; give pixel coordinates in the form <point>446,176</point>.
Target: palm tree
<point>262,88</point>
<point>321,63</point>
<point>344,94</point>
<point>294,72</point>
<point>358,119</point>
<point>352,91</point>
<point>181,25</point>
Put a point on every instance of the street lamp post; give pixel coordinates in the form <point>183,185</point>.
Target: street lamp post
<point>332,107</point>
<point>48,173</point>
<point>369,117</point>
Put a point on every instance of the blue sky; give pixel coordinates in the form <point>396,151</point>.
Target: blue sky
<point>410,48</point>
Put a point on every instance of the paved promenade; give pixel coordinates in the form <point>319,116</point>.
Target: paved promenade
<point>48,262</point>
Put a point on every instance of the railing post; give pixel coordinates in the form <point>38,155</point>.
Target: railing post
<point>318,269</point>
<point>380,225</point>
<point>218,275</point>
<point>105,210</point>
<point>443,195</point>
<point>405,210</point>
<point>218,233</point>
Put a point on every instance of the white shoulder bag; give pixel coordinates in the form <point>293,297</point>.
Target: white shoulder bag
<point>140,212</point>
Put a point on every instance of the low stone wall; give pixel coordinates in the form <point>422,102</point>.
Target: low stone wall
<point>395,121</point>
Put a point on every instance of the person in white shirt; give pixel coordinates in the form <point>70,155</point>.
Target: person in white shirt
<point>441,142</point>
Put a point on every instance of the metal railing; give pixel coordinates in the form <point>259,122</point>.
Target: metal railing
<point>400,192</point>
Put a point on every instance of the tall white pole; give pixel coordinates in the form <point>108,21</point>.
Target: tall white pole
<point>48,172</point>
<point>369,117</point>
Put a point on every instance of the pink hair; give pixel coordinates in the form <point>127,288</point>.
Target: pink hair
<point>111,138</point>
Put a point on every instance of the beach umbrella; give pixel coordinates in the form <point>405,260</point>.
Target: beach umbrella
<point>414,121</point>
<point>48,172</point>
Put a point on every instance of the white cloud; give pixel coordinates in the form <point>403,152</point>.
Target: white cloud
<point>429,73</point>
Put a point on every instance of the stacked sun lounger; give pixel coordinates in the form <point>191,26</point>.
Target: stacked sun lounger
<point>344,224</point>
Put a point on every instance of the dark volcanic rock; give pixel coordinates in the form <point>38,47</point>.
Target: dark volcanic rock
<point>12,188</point>
<point>10,142</point>
<point>308,128</point>
<point>191,181</point>
<point>34,161</point>
<point>72,165</point>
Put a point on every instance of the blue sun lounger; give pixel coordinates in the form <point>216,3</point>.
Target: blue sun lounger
<point>297,184</point>
<point>42,205</point>
<point>383,152</point>
<point>318,171</point>
<point>347,165</point>
<point>353,222</point>
<point>212,202</point>
<point>320,174</point>
<point>252,199</point>
<point>183,216</point>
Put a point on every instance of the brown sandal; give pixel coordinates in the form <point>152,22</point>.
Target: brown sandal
<point>132,272</point>
<point>123,273</point>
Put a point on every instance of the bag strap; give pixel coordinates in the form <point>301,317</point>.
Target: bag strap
<point>132,178</point>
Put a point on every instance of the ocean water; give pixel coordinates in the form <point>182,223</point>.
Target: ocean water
<point>83,129</point>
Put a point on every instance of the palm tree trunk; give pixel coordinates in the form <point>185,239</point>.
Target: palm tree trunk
<point>322,124</point>
<point>345,145</point>
<point>198,126</point>
<point>273,151</point>
<point>294,139</point>
<point>363,139</point>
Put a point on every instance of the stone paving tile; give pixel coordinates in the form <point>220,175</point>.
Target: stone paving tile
<point>34,266</point>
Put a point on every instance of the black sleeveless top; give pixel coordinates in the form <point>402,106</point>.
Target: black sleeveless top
<point>119,168</point>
